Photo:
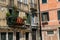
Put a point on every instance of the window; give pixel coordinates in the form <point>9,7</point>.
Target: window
<point>10,11</point>
<point>20,0</point>
<point>3,36</point>
<point>58,0</point>
<point>32,3</point>
<point>32,19</point>
<point>17,35</point>
<point>10,36</point>
<point>28,18</point>
<point>44,1</point>
<point>26,1</point>
<point>58,14</point>
<point>27,36</point>
<point>11,3</point>
<point>50,32</point>
<point>33,34</point>
<point>45,16</point>
<point>59,33</point>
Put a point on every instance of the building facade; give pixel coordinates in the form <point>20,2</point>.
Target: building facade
<point>50,10</point>
<point>18,20</point>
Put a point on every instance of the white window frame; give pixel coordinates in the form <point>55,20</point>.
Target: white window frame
<point>0,35</point>
<point>6,35</point>
<point>32,1</point>
<point>20,0</point>
<point>35,19</point>
<point>25,1</point>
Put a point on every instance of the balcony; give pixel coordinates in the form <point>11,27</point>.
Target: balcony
<point>44,23</point>
<point>33,6</point>
<point>13,19</point>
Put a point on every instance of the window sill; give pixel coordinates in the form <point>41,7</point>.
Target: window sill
<point>59,21</point>
<point>44,22</point>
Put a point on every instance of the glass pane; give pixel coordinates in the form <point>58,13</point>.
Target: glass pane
<point>3,36</point>
<point>44,1</point>
<point>27,36</point>
<point>50,32</point>
<point>10,36</point>
<point>28,18</point>
<point>17,35</point>
<point>59,15</point>
<point>33,34</point>
<point>45,16</point>
<point>58,0</point>
<point>25,1</point>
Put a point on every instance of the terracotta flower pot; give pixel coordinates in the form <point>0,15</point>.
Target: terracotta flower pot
<point>20,21</point>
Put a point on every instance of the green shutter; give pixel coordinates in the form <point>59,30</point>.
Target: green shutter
<point>28,19</point>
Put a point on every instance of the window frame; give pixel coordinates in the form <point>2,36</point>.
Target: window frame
<point>44,2</point>
<point>59,0</point>
<point>25,2</point>
<point>45,14</point>
<point>4,35</point>
<point>12,35</point>
<point>58,14</point>
<point>20,0</point>
<point>50,33</point>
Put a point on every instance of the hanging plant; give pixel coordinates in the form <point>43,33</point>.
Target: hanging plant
<point>24,17</point>
<point>7,14</point>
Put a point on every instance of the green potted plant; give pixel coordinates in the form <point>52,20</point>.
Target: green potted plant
<point>24,17</point>
<point>7,14</point>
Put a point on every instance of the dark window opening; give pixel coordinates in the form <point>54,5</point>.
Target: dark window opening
<point>10,11</point>
<point>28,18</point>
<point>44,1</point>
<point>17,35</point>
<point>50,32</point>
<point>3,36</point>
<point>58,0</point>
<point>33,34</point>
<point>45,16</point>
<point>27,36</point>
<point>58,14</point>
<point>10,36</point>
<point>59,33</point>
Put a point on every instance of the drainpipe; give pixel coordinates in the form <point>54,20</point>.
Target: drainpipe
<point>40,20</point>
